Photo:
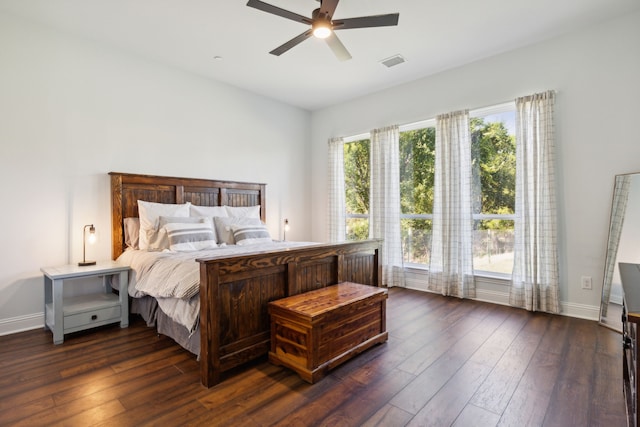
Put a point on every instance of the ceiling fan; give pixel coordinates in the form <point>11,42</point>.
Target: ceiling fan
<point>323,25</point>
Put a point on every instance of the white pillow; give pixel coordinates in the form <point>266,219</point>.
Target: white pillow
<point>159,240</point>
<point>131,232</point>
<point>250,234</point>
<point>185,237</point>
<point>223,227</point>
<point>209,211</point>
<point>150,212</point>
<point>244,211</point>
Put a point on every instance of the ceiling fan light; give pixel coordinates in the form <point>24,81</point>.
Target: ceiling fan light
<point>321,30</point>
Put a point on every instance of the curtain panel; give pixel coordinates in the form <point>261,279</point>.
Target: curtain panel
<point>535,271</point>
<point>337,222</point>
<point>384,202</point>
<point>451,263</point>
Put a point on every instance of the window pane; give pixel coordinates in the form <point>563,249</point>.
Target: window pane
<point>357,228</point>
<point>493,246</point>
<point>417,163</point>
<point>416,240</point>
<point>356,176</point>
<point>493,153</point>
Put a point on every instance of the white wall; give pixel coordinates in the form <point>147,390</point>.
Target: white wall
<point>72,110</point>
<point>596,73</point>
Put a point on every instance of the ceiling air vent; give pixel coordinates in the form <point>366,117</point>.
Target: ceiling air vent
<point>393,61</point>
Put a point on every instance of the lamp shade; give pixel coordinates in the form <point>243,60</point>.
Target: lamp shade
<point>286,228</point>
<point>92,239</point>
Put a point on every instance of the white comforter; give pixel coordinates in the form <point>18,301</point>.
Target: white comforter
<point>173,278</point>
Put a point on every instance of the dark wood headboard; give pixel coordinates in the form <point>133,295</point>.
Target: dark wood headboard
<point>127,189</point>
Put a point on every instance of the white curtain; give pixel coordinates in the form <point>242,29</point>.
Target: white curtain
<point>535,269</point>
<point>451,265</point>
<point>337,208</point>
<point>384,203</point>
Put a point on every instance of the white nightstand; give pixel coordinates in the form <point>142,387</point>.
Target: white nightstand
<point>65,315</point>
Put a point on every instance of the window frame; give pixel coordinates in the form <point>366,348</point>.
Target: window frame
<point>423,124</point>
<point>479,112</point>
<point>347,215</point>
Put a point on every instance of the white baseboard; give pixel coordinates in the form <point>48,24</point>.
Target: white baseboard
<point>581,311</point>
<point>13,325</point>
<point>500,295</point>
<point>34,321</point>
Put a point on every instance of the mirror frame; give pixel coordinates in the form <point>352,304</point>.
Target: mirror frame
<point>622,184</point>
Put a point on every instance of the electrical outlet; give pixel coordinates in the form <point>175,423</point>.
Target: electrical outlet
<point>586,282</point>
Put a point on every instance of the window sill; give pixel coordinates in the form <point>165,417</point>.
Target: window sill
<point>500,278</point>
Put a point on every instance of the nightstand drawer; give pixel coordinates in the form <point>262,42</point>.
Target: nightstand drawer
<point>92,318</point>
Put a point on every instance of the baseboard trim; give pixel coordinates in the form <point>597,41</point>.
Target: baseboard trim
<point>581,311</point>
<point>13,325</point>
<point>29,322</point>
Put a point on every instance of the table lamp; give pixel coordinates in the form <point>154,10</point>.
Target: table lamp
<point>92,238</point>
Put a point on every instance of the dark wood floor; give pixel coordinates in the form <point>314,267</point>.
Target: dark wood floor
<point>447,362</point>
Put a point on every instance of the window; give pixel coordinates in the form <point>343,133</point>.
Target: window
<point>493,157</point>
<point>356,182</point>
<point>417,163</point>
<point>493,162</point>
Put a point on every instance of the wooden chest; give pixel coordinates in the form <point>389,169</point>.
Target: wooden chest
<point>313,332</point>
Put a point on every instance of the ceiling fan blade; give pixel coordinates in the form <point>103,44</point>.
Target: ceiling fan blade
<point>328,7</point>
<point>337,47</point>
<point>266,7</point>
<point>367,21</point>
<point>291,43</point>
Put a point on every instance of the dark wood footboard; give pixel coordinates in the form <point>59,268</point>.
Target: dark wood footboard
<point>235,292</point>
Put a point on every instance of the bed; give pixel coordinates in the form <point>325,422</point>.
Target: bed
<point>235,285</point>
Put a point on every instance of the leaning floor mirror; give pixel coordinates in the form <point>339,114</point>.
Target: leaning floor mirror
<point>622,245</point>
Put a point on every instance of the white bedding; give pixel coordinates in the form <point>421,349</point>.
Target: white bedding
<point>173,278</point>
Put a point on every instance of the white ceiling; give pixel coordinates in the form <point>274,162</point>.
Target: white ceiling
<point>432,35</point>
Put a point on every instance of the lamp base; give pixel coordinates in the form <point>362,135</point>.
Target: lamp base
<point>86,263</point>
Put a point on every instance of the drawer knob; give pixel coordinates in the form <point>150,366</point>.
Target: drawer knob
<point>94,316</point>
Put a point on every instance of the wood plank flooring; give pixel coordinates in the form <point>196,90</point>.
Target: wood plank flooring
<point>448,362</point>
